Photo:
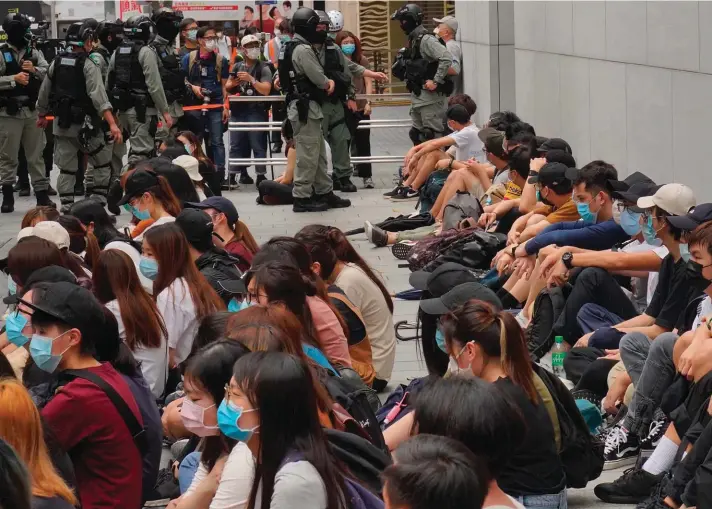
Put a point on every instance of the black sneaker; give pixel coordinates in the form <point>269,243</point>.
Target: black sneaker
<point>246,179</point>
<point>309,205</point>
<point>632,487</point>
<point>374,234</point>
<point>393,192</point>
<point>656,431</point>
<point>656,500</point>
<point>621,448</point>
<point>332,201</point>
<point>406,194</point>
<point>346,185</point>
<point>260,178</point>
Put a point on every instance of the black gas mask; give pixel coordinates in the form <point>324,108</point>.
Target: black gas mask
<point>19,36</point>
<point>168,28</point>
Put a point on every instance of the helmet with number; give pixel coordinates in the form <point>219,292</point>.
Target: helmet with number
<point>410,17</point>
<point>337,21</point>
<point>110,33</point>
<point>167,22</point>
<point>80,32</point>
<point>17,28</point>
<point>139,27</point>
<point>305,22</point>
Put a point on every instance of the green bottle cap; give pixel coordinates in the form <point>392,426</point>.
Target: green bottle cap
<point>559,339</point>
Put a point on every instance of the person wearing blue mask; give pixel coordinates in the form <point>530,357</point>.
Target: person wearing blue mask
<point>67,322</point>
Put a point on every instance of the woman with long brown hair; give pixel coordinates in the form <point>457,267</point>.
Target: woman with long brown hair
<point>206,167</point>
<point>117,286</point>
<point>21,427</point>
<point>182,294</point>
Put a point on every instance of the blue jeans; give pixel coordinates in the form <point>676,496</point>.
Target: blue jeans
<point>244,143</point>
<point>187,469</point>
<point>554,501</point>
<point>215,134</point>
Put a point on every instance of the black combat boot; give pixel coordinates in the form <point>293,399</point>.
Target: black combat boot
<point>309,205</point>
<point>8,199</point>
<point>333,201</point>
<point>346,185</point>
<point>43,199</point>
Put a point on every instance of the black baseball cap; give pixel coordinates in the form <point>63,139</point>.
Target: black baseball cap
<point>196,225</point>
<point>49,274</point>
<point>550,174</point>
<point>458,113</point>
<point>555,144</point>
<point>626,183</point>
<point>219,203</point>
<point>138,183</point>
<point>493,140</point>
<point>458,296</point>
<point>443,279</point>
<point>697,215</point>
<point>68,303</point>
<point>634,186</point>
<point>559,156</point>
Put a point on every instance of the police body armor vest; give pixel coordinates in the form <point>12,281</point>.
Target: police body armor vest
<point>334,70</point>
<point>129,81</point>
<point>296,86</point>
<point>104,53</point>
<point>171,74</point>
<point>20,95</point>
<point>418,68</point>
<point>69,100</point>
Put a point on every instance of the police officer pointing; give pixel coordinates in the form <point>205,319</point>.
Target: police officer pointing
<point>423,66</point>
<point>22,70</point>
<point>135,88</point>
<point>74,92</point>
<point>302,77</point>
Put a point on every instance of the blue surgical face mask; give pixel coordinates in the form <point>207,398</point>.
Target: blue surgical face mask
<point>584,210</point>
<point>192,34</point>
<point>440,340</point>
<point>685,252</point>
<point>141,215</point>
<point>14,325</point>
<point>228,415</point>
<point>630,222</point>
<point>41,352</point>
<point>348,49</point>
<point>285,38</point>
<point>234,306</point>
<point>148,267</point>
<point>538,195</point>
<point>649,233</point>
<point>11,286</point>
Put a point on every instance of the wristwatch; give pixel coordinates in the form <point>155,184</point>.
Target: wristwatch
<point>568,259</point>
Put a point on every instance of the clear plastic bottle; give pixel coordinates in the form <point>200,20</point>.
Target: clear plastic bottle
<point>558,354</point>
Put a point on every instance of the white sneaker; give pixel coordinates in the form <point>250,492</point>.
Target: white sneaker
<point>522,320</point>
<point>368,183</point>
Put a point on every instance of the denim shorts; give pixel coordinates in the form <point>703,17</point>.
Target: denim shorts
<point>553,501</point>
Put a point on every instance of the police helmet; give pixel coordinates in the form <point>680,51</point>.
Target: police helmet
<point>410,17</point>
<point>304,23</point>
<point>113,29</point>
<point>81,31</point>
<point>139,27</point>
<point>337,21</point>
<point>167,22</point>
<point>13,21</point>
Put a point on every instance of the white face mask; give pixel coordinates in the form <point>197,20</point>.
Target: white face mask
<point>253,53</point>
<point>210,45</point>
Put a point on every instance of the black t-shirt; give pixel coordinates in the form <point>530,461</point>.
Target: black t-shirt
<point>672,294</point>
<point>535,469</point>
<point>357,329</point>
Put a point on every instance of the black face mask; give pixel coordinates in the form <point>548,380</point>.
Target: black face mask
<point>19,38</point>
<point>544,200</point>
<point>168,30</point>
<point>319,37</point>
<point>112,44</point>
<point>693,271</point>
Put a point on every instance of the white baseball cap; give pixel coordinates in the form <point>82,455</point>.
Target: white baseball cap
<point>675,199</point>
<point>450,21</point>
<point>248,39</point>
<point>51,231</point>
<point>191,165</point>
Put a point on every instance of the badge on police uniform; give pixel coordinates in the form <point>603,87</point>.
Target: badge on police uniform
<point>204,71</point>
<point>8,56</point>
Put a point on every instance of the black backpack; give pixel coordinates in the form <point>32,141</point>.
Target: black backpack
<point>581,453</point>
<point>548,306</point>
<point>363,460</point>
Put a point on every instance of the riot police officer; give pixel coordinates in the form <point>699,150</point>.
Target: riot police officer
<point>135,88</point>
<point>22,70</point>
<point>74,93</point>
<point>168,23</point>
<point>423,66</point>
<point>302,77</point>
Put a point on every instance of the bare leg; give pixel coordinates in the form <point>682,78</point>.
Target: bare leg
<point>536,285</point>
<point>427,169</point>
<point>425,162</point>
<point>466,182</point>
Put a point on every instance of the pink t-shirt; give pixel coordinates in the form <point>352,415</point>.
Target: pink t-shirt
<point>330,335</point>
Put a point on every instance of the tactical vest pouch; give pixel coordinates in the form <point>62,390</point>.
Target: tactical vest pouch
<point>120,99</point>
<point>63,112</point>
<point>446,88</point>
<point>399,67</point>
<point>11,106</point>
<point>141,104</point>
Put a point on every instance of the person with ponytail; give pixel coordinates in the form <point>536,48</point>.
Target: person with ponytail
<point>148,195</point>
<point>339,264</point>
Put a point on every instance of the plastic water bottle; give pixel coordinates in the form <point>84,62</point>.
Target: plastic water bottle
<point>558,354</point>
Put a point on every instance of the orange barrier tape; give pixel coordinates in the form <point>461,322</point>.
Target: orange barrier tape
<point>203,107</point>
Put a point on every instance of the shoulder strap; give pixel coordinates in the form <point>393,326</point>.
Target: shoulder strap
<point>219,65</point>
<point>192,57</point>
<point>343,298</point>
<point>137,431</point>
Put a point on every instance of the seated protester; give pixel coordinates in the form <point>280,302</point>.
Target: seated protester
<point>77,235</point>
<point>279,190</point>
<point>301,473</point>
<point>232,235</point>
<point>149,196</point>
<point>215,264</point>
<point>171,144</point>
<point>206,167</point>
<point>432,471</point>
<point>140,324</point>
<point>190,165</point>
<point>340,264</point>
<point>102,235</point>
<point>17,487</point>
<point>206,377</point>
<point>179,180</point>
<point>464,137</point>
<point>182,294</point>
<point>21,427</point>
<point>173,152</point>
<point>67,322</point>
<point>37,214</point>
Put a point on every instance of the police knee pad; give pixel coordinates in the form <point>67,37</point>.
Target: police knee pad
<point>414,135</point>
<point>428,134</point>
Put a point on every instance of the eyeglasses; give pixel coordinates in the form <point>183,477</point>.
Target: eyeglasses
<point>213,38</point>
<point>254,297</point>
<point>228,393</point>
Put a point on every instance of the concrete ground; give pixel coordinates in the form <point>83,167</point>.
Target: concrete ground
<point>367,205</point>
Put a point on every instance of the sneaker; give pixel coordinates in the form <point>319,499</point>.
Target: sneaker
<point>656,500</point>
<point>368,183</point>
<point>246,179</point>
<point>346,185</point>
<point>656,431</point>
<point>621,448</point>
<point>401,250</point>
<point>393,192</point>
<point>632,487</point>
<point>260,179</point>
<point>276,148</point>
<point>375,235</point>
<point>522,320</point>
<point>406,194</point>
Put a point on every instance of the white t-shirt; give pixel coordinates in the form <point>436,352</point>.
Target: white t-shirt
<point>135,256</point>
<point>176,306</point>
<point>235,483</point>
<point>514,503</point>
<point>704,309</point>
<point>468,143</point>
<point>158,222</point>
<point>153,361</point>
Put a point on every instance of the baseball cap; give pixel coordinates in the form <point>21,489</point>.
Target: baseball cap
<point>458,113</point>
<point>196,225</point>
<point>219,203</point>
<point>493,140</point>
<point>559,156</point>
<point>626,183</point>
<point>68,303</point>
<point>248,39</point>
<point>676,199</point>
<point>443,279</point>
<point>49,274</point>
<point>48,230</point>
<point>458,296</point>
<point>555,144</point>
<point>550,174</point>
<point>190,164</point>
<point>138,183</point>
<point>635,192</point>
<point>697,215</point>
<point>450,21</point>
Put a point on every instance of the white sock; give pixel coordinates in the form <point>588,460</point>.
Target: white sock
<point>662,458</point>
